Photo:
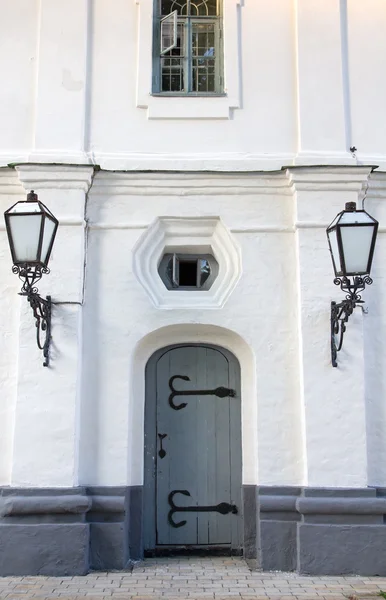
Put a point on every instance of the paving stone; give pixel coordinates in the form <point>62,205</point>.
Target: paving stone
<point>191,578</point>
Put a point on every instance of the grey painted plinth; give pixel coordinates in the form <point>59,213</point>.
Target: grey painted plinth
<point>278,542</point>
<point>44,549</point>
<point>309,530</point>
<point>115,519</point>
<point>251,536</point>
<point>278,528</point>
<point>68,531</point>
<point>342,549</point>
<point>323,531</point>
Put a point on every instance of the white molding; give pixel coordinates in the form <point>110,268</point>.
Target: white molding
<point>192,162</point>
<point>9,182</point>
<point>160,107</point>
<point>187,233</point>
<point>214,162</point>
<point>377,185</point>
<point>197,184</point>
<point>340,178</point>
<point>55,176</point>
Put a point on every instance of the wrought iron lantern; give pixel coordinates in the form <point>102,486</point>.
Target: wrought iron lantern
<point>31,230</point>
<point>351,238</point>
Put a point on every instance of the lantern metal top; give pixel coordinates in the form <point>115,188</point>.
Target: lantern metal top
<point>32,197</point>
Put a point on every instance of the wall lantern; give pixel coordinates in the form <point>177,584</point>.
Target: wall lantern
<point>351,237</point>
<point>31,230</point>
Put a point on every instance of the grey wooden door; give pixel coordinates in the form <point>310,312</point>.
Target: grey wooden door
<point>196,448</point>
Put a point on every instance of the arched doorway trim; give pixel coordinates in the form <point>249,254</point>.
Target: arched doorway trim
<point>196,334</point>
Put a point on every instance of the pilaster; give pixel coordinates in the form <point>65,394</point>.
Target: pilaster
<point>374,341</point>
<point>61,101</point>
<point>47,404</point>
<point>11,191</point>
<point>321,89</point>
<point>333,399</point>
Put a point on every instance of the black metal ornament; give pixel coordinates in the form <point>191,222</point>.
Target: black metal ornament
<point>224,508</point>
<point>220,392</point>
<point>342,311</point>
<point>41,307</point>
<point>162,452</point>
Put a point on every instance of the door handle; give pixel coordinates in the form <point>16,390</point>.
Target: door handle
<point>162,452</point>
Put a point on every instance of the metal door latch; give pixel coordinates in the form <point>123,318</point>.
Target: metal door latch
<point>162,452</point>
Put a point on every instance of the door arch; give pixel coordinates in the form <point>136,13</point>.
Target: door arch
<point>192,462</point>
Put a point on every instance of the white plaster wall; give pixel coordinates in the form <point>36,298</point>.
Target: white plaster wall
<point>367,59</point>
<point>303,422</point>
<point>19,38</point>
<point>261,319</point>
<point>303,76</point>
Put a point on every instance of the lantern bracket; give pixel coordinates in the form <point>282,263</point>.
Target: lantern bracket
<point>41,307</point>
<point>342,311</point>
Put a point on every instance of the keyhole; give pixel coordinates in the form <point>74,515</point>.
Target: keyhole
<point>162,452</point>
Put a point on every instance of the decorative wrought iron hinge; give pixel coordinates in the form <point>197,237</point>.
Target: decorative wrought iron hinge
<point>224,508</point>
<point>220,392</point>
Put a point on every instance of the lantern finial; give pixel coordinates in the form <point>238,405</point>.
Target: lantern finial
<point>32,197</point>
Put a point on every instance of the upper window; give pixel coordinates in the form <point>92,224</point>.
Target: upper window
<point>187,47</point>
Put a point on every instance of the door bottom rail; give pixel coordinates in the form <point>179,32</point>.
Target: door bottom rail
<point>193,550</point>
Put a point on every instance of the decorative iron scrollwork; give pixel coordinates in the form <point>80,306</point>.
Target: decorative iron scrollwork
<point>224,508</point>
<point>340,313</point>
<point>220,392</point>
<point>41,307</point>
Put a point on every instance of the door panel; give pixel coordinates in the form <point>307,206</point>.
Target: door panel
<point>202,448</point>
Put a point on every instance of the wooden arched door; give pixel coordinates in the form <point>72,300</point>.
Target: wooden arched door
<point>193,450</point>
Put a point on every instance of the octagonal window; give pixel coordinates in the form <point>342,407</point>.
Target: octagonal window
<point>188,272</point>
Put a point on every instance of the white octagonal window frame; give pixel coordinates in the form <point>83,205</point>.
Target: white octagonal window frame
<point>201,235</point>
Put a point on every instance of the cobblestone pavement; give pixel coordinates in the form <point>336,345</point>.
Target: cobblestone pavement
<point>192,578</point>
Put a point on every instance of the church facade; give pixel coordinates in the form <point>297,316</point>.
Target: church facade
<point>194,153</point>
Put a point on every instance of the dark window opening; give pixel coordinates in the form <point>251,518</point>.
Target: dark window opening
<point>188,273</point>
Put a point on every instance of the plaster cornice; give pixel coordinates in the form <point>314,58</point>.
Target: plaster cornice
<point>9,182</point>
<point>190,184</point>
<point>55,176</point>
<point>377,185</point>
<point>339,179</point>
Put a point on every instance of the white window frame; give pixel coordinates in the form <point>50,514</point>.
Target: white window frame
<point>166,21</point>
<point>189,107</point>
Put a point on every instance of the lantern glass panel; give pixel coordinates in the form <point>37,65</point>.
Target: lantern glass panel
<point>49,229</point>
<point>334,251</point>
<point>356,244</point>
<point>25,233</point>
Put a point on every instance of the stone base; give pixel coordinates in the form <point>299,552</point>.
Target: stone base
<point>66,531</point>
<point>45,549</point>
<point>314,531</point>
<point>323,531</point>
